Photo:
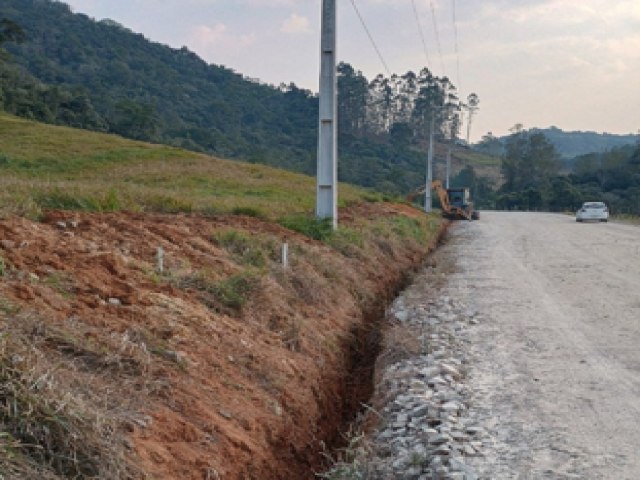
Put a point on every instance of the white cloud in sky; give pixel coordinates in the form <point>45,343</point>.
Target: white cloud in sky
<point>296,24</point>
<point>219,39</point>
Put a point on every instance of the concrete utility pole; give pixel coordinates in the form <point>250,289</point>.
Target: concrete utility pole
<point>428,205</point>
<point>448,174</point>
<point>327,179</point>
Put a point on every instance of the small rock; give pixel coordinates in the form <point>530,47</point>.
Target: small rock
<point>438,439</point>
<point>226,414</point>
<point>449,370</point>
<point>144,421</point>
<point>175,356</point>
<point>61,225</point>
<point>114,301</point>
<point>469,451</point>
<point>419,412</point>
<point>442,450</point>
<point>451,407</point>
<point>459,436</point>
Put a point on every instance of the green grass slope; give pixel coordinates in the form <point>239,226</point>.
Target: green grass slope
<point>44,166</point>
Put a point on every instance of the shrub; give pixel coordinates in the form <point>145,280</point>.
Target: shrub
<point>406,227</point>
<point>5,159</point>
<point>233,292</point>
<point>61,200</point>
<point>347,241</point>
<point>318,229</point>
<point>373,197</point>
<point>167,204</point>
<point>249,212</point>
<point>244,249</point>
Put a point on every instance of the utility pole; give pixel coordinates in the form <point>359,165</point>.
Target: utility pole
<point>327,176</point>
<point>428,206</point>
<point>448,174</point>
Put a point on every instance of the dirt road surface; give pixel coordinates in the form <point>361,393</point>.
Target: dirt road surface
<point>555,363</point>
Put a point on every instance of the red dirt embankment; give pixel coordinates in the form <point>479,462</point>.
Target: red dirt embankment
<point>243,379</point>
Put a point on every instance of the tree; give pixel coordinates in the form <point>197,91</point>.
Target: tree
<point>473,102</point>
<point>529,163</point>
<point>490,145</point>
<point>353,93</point>
<point>10,31</point>
<point>135,120</point>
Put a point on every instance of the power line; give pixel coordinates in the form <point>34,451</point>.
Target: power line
<point>455,35</point>
<point>375,46</point>
<point>420,29</point>
<point>435,26</point>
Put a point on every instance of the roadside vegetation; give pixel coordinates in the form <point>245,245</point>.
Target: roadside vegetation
<point>83,214</point>
<point>533,180</point>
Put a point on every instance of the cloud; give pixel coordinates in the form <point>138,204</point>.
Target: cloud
<point>296,24</point>
<point>220,38</point>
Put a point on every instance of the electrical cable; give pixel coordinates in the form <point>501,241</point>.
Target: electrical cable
<point>435,26</point>
<point>366,29</point>
<point>422,36</point>
<point>455,34</point>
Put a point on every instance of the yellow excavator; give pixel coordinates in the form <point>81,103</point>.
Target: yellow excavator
<point>455,202</point>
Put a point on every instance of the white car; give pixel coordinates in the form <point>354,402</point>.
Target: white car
<point>597,211</point>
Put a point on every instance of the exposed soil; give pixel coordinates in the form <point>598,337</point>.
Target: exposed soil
<point>228,391</point>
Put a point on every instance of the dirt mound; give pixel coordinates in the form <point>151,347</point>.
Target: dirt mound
<point>229,366</point>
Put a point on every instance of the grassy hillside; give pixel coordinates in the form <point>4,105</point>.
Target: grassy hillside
<point>44,166</point>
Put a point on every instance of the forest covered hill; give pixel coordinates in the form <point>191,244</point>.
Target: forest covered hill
<point>76,71</point>
<point>569,145</point>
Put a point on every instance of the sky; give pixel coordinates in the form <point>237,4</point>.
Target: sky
<point>573,64</point>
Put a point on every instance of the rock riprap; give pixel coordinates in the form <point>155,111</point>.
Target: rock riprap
<point>426,428</point>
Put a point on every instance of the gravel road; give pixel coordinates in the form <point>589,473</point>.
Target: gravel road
<point>555,363</point>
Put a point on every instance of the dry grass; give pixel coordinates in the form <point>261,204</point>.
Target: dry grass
<point>59,414</point>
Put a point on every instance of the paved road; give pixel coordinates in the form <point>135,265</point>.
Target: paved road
<point>556,360</point>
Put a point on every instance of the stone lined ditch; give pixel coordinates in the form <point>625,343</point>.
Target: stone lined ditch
<point>418,424</point>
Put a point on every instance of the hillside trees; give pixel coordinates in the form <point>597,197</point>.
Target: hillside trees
<point>528,165</point>
<point>99,75</point>
<point>530,168</point>
<point>396,106</point>
<point>612,176</point>
<point>10,31</point>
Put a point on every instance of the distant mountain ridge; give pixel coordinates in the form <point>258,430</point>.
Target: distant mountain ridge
<point>576,143</point>
<point>568,144</point>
